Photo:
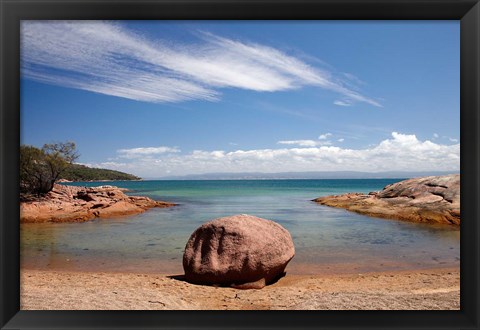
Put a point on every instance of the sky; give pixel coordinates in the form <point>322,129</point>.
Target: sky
<point>169,98</point>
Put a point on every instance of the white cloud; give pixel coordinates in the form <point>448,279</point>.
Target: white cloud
<point>324,136</point>
<point>341,140</point>
<point>343,103</point>
<point>105,57</point>
<point>435,136</point>
<point>142,152</point>
<point>453,140</point>
<point>111,165</point>
<point>302,143</point>
<point>306,143</point>
<point>400,152</point>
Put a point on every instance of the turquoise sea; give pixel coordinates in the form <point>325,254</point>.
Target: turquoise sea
<point>326,239</point>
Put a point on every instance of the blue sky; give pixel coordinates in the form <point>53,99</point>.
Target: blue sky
<point>159,98</point>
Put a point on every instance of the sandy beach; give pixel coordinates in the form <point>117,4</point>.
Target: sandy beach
<point>434,289</point>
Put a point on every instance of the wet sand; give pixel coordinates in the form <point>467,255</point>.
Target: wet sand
<point>433,289</point>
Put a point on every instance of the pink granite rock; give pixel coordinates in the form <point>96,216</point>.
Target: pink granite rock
<point>77,204</point>
<point>241,250</point>
<point>432,199</point>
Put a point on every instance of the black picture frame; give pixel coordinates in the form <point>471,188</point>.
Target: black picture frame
<point>13,11</point>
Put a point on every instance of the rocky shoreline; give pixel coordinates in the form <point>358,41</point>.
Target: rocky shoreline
<point>433,199</point>
<point>78,204</point>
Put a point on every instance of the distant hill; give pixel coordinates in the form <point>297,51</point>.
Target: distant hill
<point>78,172</point>
<point>307,175</point>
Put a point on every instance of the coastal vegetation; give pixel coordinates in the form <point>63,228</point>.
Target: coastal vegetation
<point>41,168</point>
<point>78,172</point>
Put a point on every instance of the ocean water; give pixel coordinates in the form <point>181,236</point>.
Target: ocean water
<point>327,240</point>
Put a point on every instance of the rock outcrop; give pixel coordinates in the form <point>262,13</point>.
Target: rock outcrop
<point>433,199</point>
<point>76,204</point>
<point>242,251</point>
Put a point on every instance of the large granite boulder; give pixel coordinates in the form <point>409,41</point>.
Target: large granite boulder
<point>432,199</point>
<point>242,251</point>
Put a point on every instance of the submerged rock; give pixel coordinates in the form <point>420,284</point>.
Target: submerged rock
<point>75,204</point>
<point>433,199</point>
<point>241,251</point>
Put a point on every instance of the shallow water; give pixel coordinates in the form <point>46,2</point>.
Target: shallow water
<point>326,239</point>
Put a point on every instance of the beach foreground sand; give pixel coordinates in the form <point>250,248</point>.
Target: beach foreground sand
<point>407,290</point>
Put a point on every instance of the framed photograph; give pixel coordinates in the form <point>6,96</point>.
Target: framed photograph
<point>240,164</point>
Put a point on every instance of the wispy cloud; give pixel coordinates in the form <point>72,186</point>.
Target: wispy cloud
<point>142,152</point>
<point>343,103</point>
<point>453,140</point>
<point>304,143</point>
<point>322,141</point>
<point>400,152</point>
<point>107,58</point>
<point>324,136</point>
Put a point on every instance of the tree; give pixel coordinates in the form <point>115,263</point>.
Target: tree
<point>40,168</point>
<point>30,173</point>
